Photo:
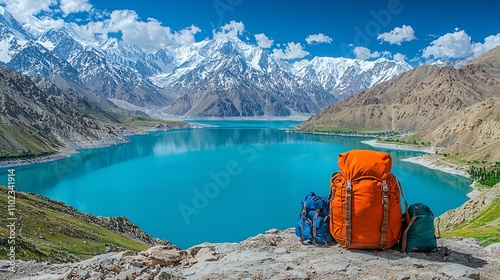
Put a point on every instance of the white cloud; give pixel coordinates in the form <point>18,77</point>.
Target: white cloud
<point>186,35</point>
<point>25,10</point>
<point>47,23</point>
<point>364,53</point>
<point>263,41</point>
<point>22,10</point>
<point>489,43</point>
<point>458,45</point>
<point>230,30</point>
<point>450,45</point>
<point>399,57</point>
<point>74,6</point>
<point>398,35</point>
<point>318,38</point>
<point>292,51</point>
<point>149,35</point>
<point>386,54</point>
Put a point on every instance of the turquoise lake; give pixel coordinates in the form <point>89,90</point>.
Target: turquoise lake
<point>222,183</point>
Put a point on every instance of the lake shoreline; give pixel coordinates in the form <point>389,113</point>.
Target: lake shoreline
<point>375,144</point>
<point>437,163</point>
<point>74,148</point>
<point>332,133</point>
<point>65,152</point>
<point>429,160</point>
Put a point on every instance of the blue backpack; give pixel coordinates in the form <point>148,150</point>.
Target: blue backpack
<point>312,225</point>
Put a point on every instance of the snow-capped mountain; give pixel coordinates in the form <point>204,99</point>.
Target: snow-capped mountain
<point>218,77</point>
<point>60,56</point>
<point>343,76</point>
<point>12,36</point>
<point>228,77</point>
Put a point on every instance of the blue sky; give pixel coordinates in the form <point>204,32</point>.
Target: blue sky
<point>418,31</point>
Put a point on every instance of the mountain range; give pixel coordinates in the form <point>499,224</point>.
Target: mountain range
<point>219,77</point>
<point>452,108</point>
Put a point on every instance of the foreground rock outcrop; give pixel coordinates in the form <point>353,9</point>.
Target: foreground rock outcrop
<point>275,255</point>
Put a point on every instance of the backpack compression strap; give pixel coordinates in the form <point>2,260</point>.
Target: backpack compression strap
<point>332,194</point>
<point>348,206</point>
<point>403,196</point>
<point>385,219</point>
<point>315,230</point>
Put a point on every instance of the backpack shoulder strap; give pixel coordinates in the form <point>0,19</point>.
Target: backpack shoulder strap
<point>407,216</point>
<point>405,234</point>
<point>404,199</point>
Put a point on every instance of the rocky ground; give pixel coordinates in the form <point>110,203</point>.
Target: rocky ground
<point>274,255</point>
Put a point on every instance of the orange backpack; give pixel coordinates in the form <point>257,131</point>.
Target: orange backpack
<point>365,201</point>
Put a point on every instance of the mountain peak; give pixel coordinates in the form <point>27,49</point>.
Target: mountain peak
<point>13,25</point>
<point>6,15</point>
<point>491,57</point>
<point>111,43</point>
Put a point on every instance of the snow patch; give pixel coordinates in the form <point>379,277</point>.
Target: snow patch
<point>4,51</point>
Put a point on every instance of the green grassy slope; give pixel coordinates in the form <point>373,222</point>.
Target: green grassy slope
<point>485,227</point>
<point>18,141</point>
<point>46,233</point>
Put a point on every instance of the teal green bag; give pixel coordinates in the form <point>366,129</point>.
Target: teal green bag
<point>419,235</point>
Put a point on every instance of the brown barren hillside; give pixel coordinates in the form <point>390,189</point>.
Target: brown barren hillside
<point>474,132</point>
<point>417,100</point>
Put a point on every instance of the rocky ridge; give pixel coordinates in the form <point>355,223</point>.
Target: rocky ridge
<point>36,121</point>
<point>473,131</point>
<point>119,224</point>
<point>39,121</point>
<point>275,255</point>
